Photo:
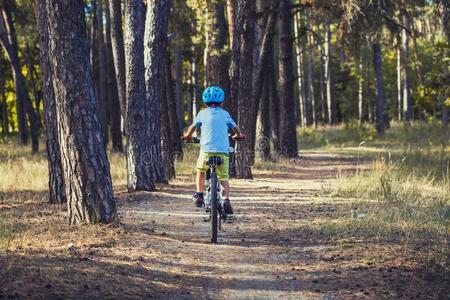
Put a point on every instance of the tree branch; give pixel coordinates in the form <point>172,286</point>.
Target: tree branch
<point>393,22</point>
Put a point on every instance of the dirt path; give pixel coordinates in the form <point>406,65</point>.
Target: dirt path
<point>272,251</point>
<point>281,247</point>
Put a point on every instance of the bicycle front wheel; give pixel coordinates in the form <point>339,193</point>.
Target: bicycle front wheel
<point>214,208</point>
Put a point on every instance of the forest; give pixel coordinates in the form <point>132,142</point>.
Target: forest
<point>341,186</point>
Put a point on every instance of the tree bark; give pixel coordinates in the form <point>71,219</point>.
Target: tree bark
<point>323,81</point>
<point>399,83</point>
<point>102,98</point>
<point>258,80</point>
<point>5,119</point>
<point>193,88</point>
<point>155,41</point>
<point>231,20</point>
<point>299,57</point>
<point>288,133</point>
<point>360,87</point>
<point>407,99</point>
<point>138,122</point>
<point>274,105</point>
<point>167,141</point>
<point>216,51</point>
<point>178,66</point>
<point>444,15</point>
<point>87,176</point>
<point>57,193</point>
<point>176,149</point>
<point>112,89</point>
<point>331,102</point>
<point>23,103</point>
<point>31,72</point>
<point>264,119</point>
<point>245,32</point>
<point>381,112</point>
<point>118,51</point>
<point>312,116</point>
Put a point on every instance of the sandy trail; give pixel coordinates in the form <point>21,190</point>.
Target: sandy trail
<point>279,247</point>
<point>272,251</point>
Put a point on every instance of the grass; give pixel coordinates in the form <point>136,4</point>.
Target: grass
<point>405,194</point>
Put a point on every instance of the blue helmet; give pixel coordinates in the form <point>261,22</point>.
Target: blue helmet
<point>213,94</point>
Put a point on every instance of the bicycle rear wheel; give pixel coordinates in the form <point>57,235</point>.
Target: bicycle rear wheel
<point>214,208</point>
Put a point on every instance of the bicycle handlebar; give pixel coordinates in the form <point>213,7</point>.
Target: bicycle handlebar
<point>196,140</point>
<point>192,140</point>
<point>240,138</point>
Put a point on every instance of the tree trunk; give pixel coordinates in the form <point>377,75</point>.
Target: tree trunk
<point>312,118</point>
<point>360,88</point>
<point>288,134</point>
<point>192,103</point>
<point>138,122</point>
<point>399,83</point>
<point>155,40</point>
<point>87,176</point>
<point>94,49</point>
<point>57,193</point>
<point>5,119</point>
<point>416,52</point>
<point>245,30</point>
<point>381,112</point>
<point>235,24</point>
<point>216,67</point>
<point>31,72</point>
<point>258,80</point>
<point>23,103</point>
<point>264,119</point>
<point>323,82</point>
<point>102,98</point>
<point>112,89</point>
<point>231,20</point>
<point>299,57</point>
<point>331,103</point>
<point>444,15</point>
<point>274,104</point>
<point>178,66</point>
<point>176,148</point>
<point>166,131</point>
<point>407,99</point>
<point>118,51</point>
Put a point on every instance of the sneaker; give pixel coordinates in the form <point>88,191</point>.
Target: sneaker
<point>227,207</point>
<point>198,200</point>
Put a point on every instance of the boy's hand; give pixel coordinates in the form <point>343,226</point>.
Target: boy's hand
<point>238,137</point>
<point>186,137</point>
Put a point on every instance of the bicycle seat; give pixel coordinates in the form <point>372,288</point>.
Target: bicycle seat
<point>215,160</point>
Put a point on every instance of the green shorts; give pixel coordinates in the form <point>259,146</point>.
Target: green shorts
<point>222,170</point>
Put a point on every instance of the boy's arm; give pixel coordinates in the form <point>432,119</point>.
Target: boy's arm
<point>188,133</point>
<point>237,133</point>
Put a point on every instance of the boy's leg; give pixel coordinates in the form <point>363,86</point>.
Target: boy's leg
<point>225,189</point>
<point>222,171</point>
<point>200,181</point>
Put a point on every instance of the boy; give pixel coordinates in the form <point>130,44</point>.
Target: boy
<point>214,122</point>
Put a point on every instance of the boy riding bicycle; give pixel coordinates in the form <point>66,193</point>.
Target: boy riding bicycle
<point>214,123</point>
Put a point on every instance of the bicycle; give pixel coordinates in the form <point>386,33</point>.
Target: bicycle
<point>213,197</point>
